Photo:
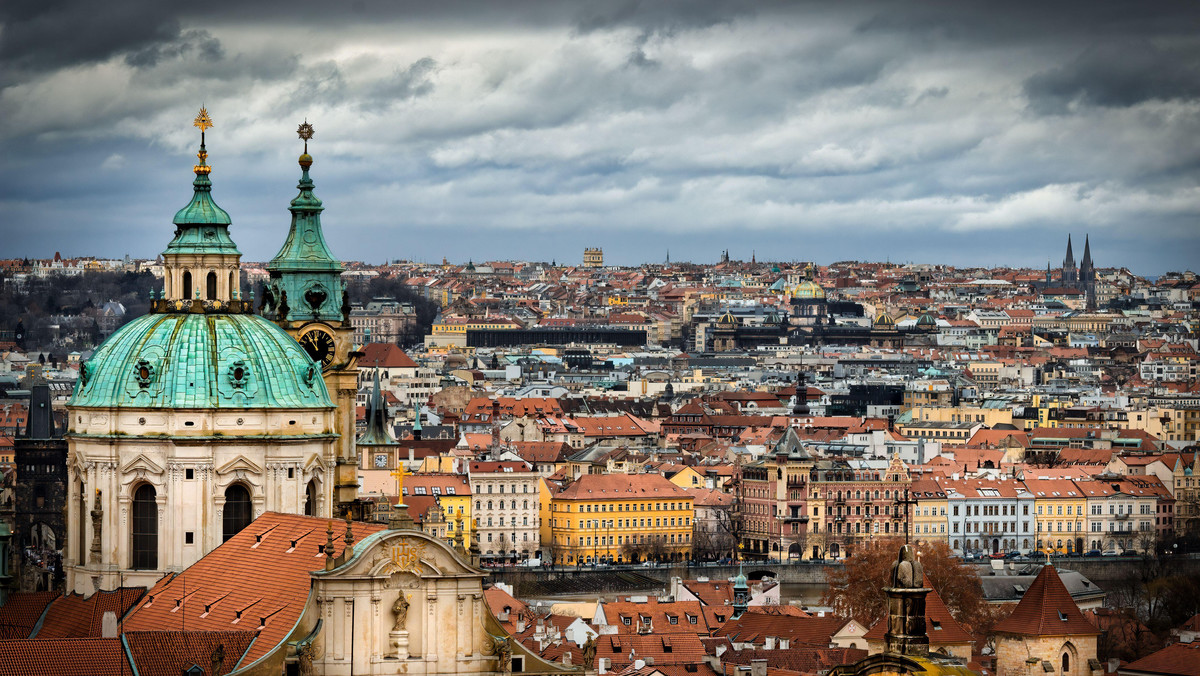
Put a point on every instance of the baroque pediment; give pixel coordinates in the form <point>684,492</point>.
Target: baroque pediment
<point>142,465</point>
<point>392,552</point>
<point>240,464</point>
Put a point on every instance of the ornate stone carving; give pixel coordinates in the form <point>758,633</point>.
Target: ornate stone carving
<point>400,611</point>
<point>589,652</point>
<point>97,525</point>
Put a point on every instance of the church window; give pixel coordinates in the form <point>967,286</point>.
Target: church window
<point>237,513</point>
<point>1066,663</point>
<point>211,285</point>
<point>310,499</point>
<point>187,284</point>
<point>145,528</point>
<point>189,474</point>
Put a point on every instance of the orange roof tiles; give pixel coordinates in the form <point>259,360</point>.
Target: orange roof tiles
<point>621,487</point>
<point>170,653</point>
<point>1046,609</point>
<point>1179,659</point>
<point>385,355</point>
<point>75,616</point>
<point>64,657</point>
<point>940,625</point>
<point>22,611</point>
<point>238,586</point>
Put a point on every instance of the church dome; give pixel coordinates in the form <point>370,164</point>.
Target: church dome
<point>808,289</point>
<point>884,320</point>
<point>201,361</point>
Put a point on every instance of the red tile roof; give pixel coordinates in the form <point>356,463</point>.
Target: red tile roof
<point>385,355</point>
<point>22,611</point>
<point>64,657</point>
<point>1179,659</point>
<point>621,487</point>
<point>75,616</point>
<point>269,583</point>
<point>1047,609</point>
<point>170,653</point>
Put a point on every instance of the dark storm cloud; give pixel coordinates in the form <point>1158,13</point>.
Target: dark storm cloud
<point>1119,73</point>
<point>925,130</point>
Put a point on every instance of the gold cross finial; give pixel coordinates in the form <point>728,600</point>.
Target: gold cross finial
<point>203,121</point>
<point>399,473</point>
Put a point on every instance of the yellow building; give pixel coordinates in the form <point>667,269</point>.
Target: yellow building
<point>1060,508</point>
<point>454,495</point>
<point>928,511</point>
<point>990,417</point>
<point>619,518</point>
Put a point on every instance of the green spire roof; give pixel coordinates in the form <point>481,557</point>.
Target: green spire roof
<point>305,248</point>
<point>202,227</point>
<point>376,432</point>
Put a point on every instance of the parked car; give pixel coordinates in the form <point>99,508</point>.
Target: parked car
<point>1094,552</point>
<point>1037,556</point>
<point>1111,552</point>
<point>1013,555</point>
<point>998,555</point>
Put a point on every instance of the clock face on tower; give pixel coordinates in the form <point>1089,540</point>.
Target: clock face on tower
<point>381,461</point>
<point>319,345</point>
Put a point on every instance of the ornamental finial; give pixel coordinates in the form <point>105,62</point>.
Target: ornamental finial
<point>306,132</point>
<point>202,121</point>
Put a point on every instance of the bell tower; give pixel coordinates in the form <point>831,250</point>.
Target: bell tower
<point>307,298</point>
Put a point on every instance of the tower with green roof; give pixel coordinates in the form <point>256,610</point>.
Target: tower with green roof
<point>307,298</point>
<point>192,420</point>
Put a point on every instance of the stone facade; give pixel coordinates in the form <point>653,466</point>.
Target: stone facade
<point>1018,655</point>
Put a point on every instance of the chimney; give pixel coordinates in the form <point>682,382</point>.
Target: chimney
<point>108,625</point>
<point>520,625</point>
<point>758,667</point>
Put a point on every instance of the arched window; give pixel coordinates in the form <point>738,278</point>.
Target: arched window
<point>237,512</point>
<point>231,286</point>
<point>211,285</point>
<point>187,284</point>
<point>1066,663</point>
<point>310,497</point>
<point>83,522</point>
<point>145,528</point>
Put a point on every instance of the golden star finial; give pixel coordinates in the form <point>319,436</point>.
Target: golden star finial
<point>203,121</point>
<point>305,130</point>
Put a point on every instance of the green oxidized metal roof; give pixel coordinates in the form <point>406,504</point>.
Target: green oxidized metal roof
<point>376,432</point>
<point>202,227</point>
<point>193,360</point>
<point>305,248</point>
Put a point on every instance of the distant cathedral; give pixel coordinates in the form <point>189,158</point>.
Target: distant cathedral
<point>1081,278</point>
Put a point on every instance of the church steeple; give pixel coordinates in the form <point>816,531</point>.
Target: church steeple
<point>201,261</point>
<point>304,269</point>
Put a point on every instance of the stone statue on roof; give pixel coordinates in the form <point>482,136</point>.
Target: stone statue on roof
<point>589,652</point>
<point>907,572</point>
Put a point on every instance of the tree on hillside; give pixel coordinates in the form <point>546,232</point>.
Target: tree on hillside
<point>856,588</point>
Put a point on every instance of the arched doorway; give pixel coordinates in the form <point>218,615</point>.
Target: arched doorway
<point>995,546</point>
<point>144,532</point>
<point>237,511</point>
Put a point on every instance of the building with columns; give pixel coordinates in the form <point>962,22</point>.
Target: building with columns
<point>191,421</point>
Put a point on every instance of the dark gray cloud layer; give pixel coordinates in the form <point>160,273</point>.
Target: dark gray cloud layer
<point>918,131</point>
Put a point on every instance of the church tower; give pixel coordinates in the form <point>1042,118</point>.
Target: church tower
<point>190,421</point>
<point>1087,274</point>
<point>1070,275</point>
<point>307,298</point>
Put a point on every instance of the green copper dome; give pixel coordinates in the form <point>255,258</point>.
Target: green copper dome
<point>200,361</point>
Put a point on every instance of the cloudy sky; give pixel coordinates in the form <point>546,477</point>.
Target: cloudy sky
<point>956,132</point>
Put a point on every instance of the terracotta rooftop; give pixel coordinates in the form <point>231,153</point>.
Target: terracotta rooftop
<point>257,581</point>
<point>1179,659</point>
<point>170,653</point>
<point>1046,609</point>
<point>75,616</point>
<point>64,657</point>
<point>22,611</point>
<point>621,487</point>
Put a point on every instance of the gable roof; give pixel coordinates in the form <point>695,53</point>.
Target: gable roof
<point>1047,609</point>
<point>385,355</point>
<point>169,653</point>
<point>269,580</point>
